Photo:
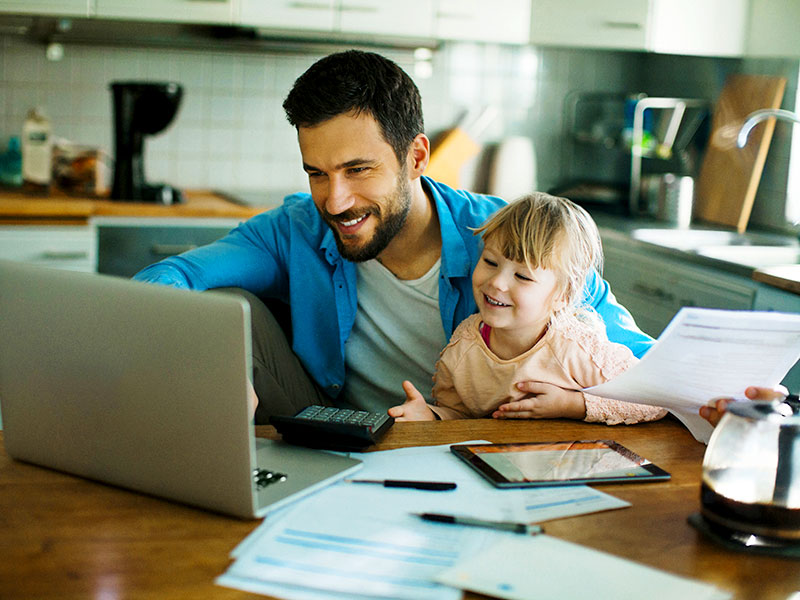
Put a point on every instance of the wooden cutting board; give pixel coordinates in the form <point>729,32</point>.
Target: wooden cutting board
<point>729,175</point>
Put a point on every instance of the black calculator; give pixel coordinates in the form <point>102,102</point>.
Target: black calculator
<point>333,428</point>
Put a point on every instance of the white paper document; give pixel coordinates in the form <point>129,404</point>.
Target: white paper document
<point>328,544</point>
<point>544,568</point>
<point>361,541</point>
<point>705,354</point>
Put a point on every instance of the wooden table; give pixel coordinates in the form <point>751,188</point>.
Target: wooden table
<point>64,537</point>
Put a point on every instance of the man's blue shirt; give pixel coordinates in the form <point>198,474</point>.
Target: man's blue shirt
<point>289,253</point>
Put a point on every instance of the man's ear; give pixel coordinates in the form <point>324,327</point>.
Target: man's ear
<point>418,155</point>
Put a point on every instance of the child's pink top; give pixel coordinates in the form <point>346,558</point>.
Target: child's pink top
<point>470,381</point>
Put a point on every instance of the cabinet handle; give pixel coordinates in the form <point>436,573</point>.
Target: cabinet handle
<point>654,292</point>
<point>357,8</point>
<point>309,5</point>
<point>453,15</point>
<point>622,25</point>
<point>170,249</point>
<point>64,254</point>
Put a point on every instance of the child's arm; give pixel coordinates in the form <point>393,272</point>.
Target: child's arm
<point>544,401</point>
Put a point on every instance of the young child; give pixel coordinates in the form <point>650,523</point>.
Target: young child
<point>531,325</point>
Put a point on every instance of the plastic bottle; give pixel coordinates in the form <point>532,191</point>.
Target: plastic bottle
<point>37,152</point>
<point>11,164</point>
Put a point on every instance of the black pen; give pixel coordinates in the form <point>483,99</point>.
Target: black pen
<point>433,486</point>
<point>524,528</point>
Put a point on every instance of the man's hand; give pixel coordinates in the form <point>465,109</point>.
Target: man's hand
<point>713,411</point>
<point>543,401</point>
<point>414,408</point>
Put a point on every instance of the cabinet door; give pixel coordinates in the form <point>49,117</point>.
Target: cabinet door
<point>770,298</point>
<point>56,246</point>
<point>653,287</point>
<point>67,8</point>
<point>126,246</point>
<point>184,11</point>
<point>412,18</point>
<point>614,24</point>
<point>308,15</point>
<point>699,27</point>
<point>502,21</point>
<point>773,29</point>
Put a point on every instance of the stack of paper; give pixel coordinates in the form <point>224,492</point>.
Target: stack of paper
<point>357,541</point>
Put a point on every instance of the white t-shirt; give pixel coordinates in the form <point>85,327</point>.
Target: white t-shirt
<point>397,335</point>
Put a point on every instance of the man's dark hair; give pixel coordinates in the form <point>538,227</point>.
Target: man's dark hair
<point>358,82</point>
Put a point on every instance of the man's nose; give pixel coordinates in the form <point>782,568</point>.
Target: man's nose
<point>340,196</point>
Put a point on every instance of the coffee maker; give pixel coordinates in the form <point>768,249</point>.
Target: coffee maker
<point>141,109</point>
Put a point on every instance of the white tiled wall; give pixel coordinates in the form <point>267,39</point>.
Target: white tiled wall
<point>230,131</point>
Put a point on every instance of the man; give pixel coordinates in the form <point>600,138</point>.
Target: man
<point>374,264</point>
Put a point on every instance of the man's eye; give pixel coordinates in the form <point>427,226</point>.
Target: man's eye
<point>357,170</point>
<point>312,174</point>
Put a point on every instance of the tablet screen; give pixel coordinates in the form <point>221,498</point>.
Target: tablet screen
<point>557,463</point>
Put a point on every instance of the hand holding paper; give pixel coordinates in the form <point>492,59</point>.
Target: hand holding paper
<point>705,354</point>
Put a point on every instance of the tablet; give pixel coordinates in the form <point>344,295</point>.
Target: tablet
<point>539,464</point>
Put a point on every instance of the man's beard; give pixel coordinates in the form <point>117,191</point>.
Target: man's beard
<point>389,224</point>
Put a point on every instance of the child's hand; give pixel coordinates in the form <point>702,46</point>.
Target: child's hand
<point>544,401</point>
<point>414,408</point>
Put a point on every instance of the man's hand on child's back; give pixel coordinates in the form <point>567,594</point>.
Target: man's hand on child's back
<point>415,408</point>
<point>543,401</point>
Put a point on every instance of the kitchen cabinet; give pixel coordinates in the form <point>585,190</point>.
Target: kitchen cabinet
<point>305,15</point>
<point>501,21</point>
<point>57,246</point>
<point>771,298</point>
<point>127,245</point>
<point>694,27</point>
<point>654,286</point>
<point>773,29</point>
<point>182,11</point>
<point>614,24</point>
<point>52,8</point>
<point>412,18</point>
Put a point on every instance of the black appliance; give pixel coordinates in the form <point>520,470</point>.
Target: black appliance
<point>141,109</point>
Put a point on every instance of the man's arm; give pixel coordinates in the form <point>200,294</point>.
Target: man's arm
<point>620,326</point>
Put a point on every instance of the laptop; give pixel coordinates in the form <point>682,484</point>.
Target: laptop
<point>144,387</point>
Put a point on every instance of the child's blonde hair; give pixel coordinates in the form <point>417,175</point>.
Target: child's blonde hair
<point>544,231</point>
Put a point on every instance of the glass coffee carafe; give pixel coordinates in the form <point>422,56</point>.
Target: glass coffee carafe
<point>751,474</point>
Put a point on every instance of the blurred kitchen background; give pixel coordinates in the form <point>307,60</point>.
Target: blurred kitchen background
<point>230,131</point>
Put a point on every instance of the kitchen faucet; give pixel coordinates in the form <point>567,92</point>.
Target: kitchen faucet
<point>756,117</point>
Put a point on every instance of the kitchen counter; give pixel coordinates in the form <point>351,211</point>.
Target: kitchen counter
<point>17,208</point>
<point>785,277</point>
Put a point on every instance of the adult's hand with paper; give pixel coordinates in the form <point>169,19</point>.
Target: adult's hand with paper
<point>713,411</point>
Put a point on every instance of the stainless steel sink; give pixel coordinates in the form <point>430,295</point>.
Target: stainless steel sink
<point>695,239</point>
<point>753,256</point>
